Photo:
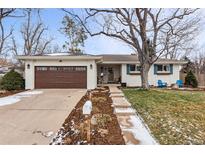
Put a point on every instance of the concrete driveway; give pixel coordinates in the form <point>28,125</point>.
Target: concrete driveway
<point>34,119</point>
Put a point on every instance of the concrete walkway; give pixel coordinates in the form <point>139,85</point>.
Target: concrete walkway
<point>35,119</point>
<point>133,129</point>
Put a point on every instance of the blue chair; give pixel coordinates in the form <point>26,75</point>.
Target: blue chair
<point>161,84</point>
<point>179,83</point>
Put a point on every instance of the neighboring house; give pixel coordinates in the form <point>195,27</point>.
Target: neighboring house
<point>86,71</point>
<point>5,66</point>
<point>20,69</point>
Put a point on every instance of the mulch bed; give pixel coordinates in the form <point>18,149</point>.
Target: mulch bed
<point>8,93</point>
<point>186,89</point>
<point>104,128</point>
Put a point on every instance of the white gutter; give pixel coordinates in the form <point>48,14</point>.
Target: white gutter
<point>171,62</point>
<point>99,58</point>
<point>58,57</point>
<point>120,62</point>
<point>137,62</point>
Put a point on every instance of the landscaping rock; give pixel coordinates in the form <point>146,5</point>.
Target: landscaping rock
<point>94,120</point>
<point>103,132</point>
<point>101,127</point>
<point>67,140</point>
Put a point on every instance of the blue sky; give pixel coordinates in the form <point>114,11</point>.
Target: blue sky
<point>93,45</point>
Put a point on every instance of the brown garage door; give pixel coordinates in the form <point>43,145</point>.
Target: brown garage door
<point>60,77</point>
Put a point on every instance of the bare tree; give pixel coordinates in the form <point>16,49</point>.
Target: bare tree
<point>199,61</point>
<point>6,13</point>
<point>150,32</point>
<point>33,35</point>
<point>183,41</point>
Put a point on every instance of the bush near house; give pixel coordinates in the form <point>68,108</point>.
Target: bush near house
<point>191,80</point>
<point>0,82</point>
<point>12,81</point>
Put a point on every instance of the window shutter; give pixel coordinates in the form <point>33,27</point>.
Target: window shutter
<point>155,68</point>
<point>171,68</point>
<point>128,68</point>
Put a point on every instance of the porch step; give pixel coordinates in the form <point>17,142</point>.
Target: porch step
<point>121,105</point>
<point>116,92</point>
<point>125,114</point>
<point>117,95</point>
<point>120,102</point>
<point>124,111</point>
<point>114,89</point>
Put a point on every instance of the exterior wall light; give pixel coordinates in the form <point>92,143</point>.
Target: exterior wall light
<point>28,66</point>
<point>91,66</point>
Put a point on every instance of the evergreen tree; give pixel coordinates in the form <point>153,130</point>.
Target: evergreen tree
<point>191,80</point>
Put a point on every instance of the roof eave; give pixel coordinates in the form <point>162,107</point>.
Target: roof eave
<point>171,62</point>
<point>120,62</point>
<point>137,62</point>
<point>59,57</point>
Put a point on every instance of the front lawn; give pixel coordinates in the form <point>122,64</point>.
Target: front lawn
<point>174,117</point>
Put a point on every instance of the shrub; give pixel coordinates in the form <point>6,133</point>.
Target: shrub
<point>0,82</point>
<point>191,80</point>
<point>12,81</point>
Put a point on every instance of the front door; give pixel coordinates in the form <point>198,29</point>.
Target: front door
<point>110,74</point>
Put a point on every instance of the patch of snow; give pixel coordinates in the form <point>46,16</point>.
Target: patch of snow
<point>58,138</point>
<point>49,134</point>
<point>17,97</point>
<point>45,134</point>
<point>140,131</point>
<point>34,92</point>
<point>124,110</point>
<point>58,54</point>
<point>8,100</point>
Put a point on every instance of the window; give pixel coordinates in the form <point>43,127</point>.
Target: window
<point>80,68</point>
<point>53,68</point>
<point>166,68</point>
<point>60,68</point>
<point>135,68</point>
<point>163,68</point>
<point>159,68</point>
<point>138,68</point>
<point>132,68</point>
<point>67,69</point>
<point>42,68</point>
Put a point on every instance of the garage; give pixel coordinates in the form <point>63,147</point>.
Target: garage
<point>60,77</point>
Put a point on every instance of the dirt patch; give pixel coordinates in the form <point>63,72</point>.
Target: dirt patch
<point>101,128</point>
<point>8,93</point>
<point>186,89</point>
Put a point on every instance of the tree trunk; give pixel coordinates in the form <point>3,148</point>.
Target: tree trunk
<point>144,75</point>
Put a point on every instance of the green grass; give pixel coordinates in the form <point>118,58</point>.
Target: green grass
<point>174,117</point>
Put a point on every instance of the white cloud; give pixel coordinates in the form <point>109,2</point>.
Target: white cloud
<point>106,45</point>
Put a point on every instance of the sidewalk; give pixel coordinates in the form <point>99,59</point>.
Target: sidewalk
<point>134,130</point>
